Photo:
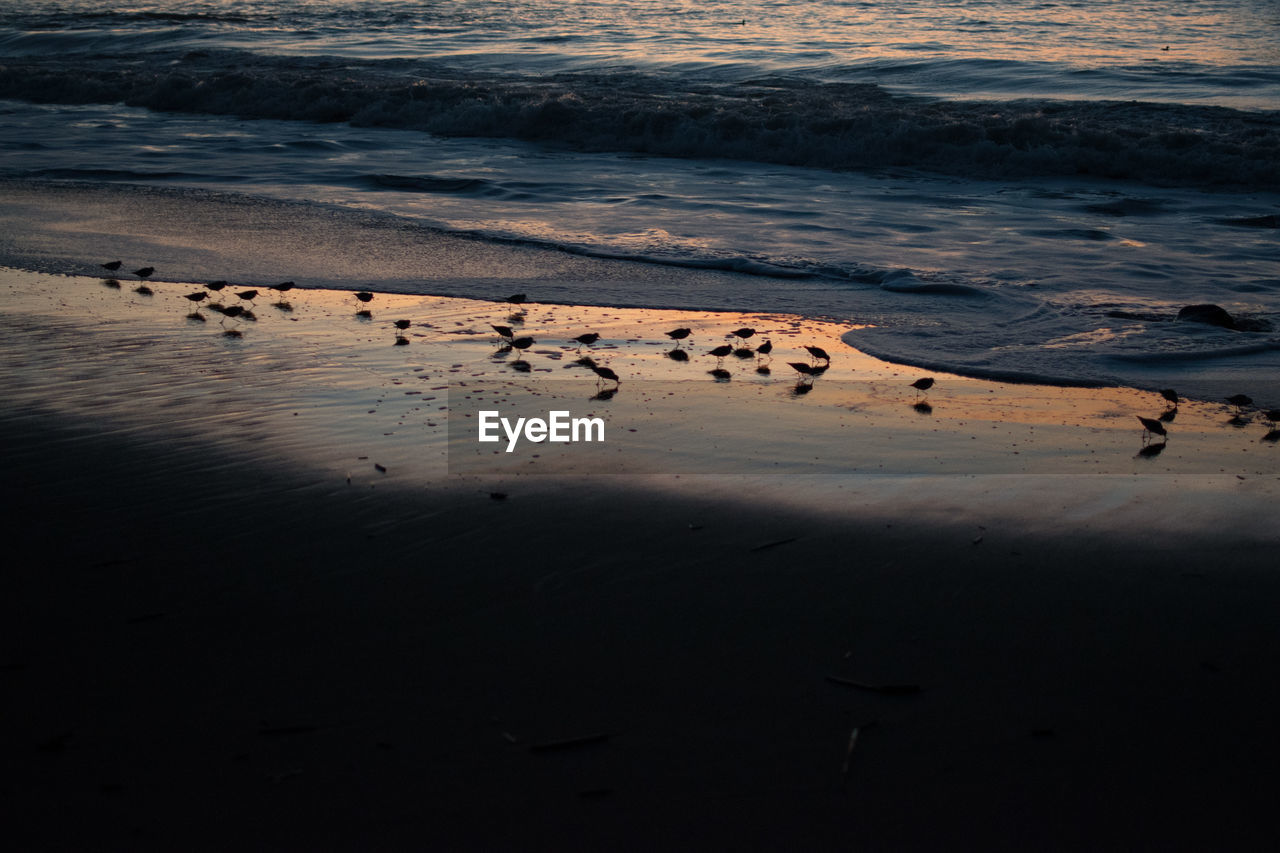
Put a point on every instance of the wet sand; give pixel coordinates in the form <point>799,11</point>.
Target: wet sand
<point>257,597</point>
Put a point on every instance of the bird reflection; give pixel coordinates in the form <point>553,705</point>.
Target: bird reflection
<point>721,374</point>
<point>923,408</point>
<point>604,394</point>
<point>677,354</point>
<point>520,366</point>
<point>1150,450</point>
<point>801,388</point>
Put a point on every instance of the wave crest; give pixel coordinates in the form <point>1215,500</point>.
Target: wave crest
<point>784,121</point>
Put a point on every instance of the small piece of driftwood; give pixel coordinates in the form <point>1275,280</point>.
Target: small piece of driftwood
<point>888,689</point>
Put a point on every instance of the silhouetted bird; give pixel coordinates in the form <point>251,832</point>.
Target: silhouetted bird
<point>248,295</point>
<point>402,324</point>
<point>364,296</point>
<point>818,352</point>
<point>1272,416</point>
<point>587,340</point>
<point>282,287</point>
<point>806,371</point>
<point>197,296</point>
<point>516,298</point>
<point>215,286</point>
<point>721,351</point>
<point>1152,426</point>
<point>1240,400</point>
<point>607,373</point>
<point>679,334</point>
<point>743,333</point>
<point>112,265</point>
<point>521,344</point>
<point>765,348</point>
<point>145,272</point>
<point>503,331</point>
<point>1170,395</point>
<point>923,384</point>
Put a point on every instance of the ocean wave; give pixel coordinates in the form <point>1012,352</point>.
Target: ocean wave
<point>775,120</point>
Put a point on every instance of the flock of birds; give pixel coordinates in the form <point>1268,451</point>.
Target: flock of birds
<point>807,371</point>
<point>1159,426</point>
<point>739,347</point>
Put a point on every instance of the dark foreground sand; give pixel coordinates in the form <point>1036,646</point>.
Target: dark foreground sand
<point>220,633</point>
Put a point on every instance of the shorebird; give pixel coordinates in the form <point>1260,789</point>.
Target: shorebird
<point>282,287</point>
<point>606,373</point>
<point>1153,427</point>
<point>720,352</point>
<point>504,332</point>
<point>112,265</point>
<point>678,335</point>
<point>923,384</point>
<point>521,344</point>
<point>516,298</point>
<point>1240,401</point>
<point>402,324</point>
<point>364,296</point>
<point>1272,416</point>
<point>586,340</point>
<point>743,333</point>
<point>1170,395</point>
<point>765,348</point>
<point>145,272</point>
<point>819,353</point>
<point>806,371</point>
<point>197,296</point>
<point>247,295</point>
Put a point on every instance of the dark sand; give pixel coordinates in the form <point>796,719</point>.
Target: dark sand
<point>224,629</point>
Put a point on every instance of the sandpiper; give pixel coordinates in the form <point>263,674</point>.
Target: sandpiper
<point>922,384</point>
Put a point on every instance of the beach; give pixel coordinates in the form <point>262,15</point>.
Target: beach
<point>258,601</point>
<point>625,425</point>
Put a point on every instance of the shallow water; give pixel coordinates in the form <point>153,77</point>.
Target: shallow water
<point>1024,190</point>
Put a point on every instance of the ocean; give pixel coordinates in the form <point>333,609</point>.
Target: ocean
<point>998,188</point>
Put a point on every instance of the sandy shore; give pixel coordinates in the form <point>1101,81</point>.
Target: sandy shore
<point>263,597</point>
